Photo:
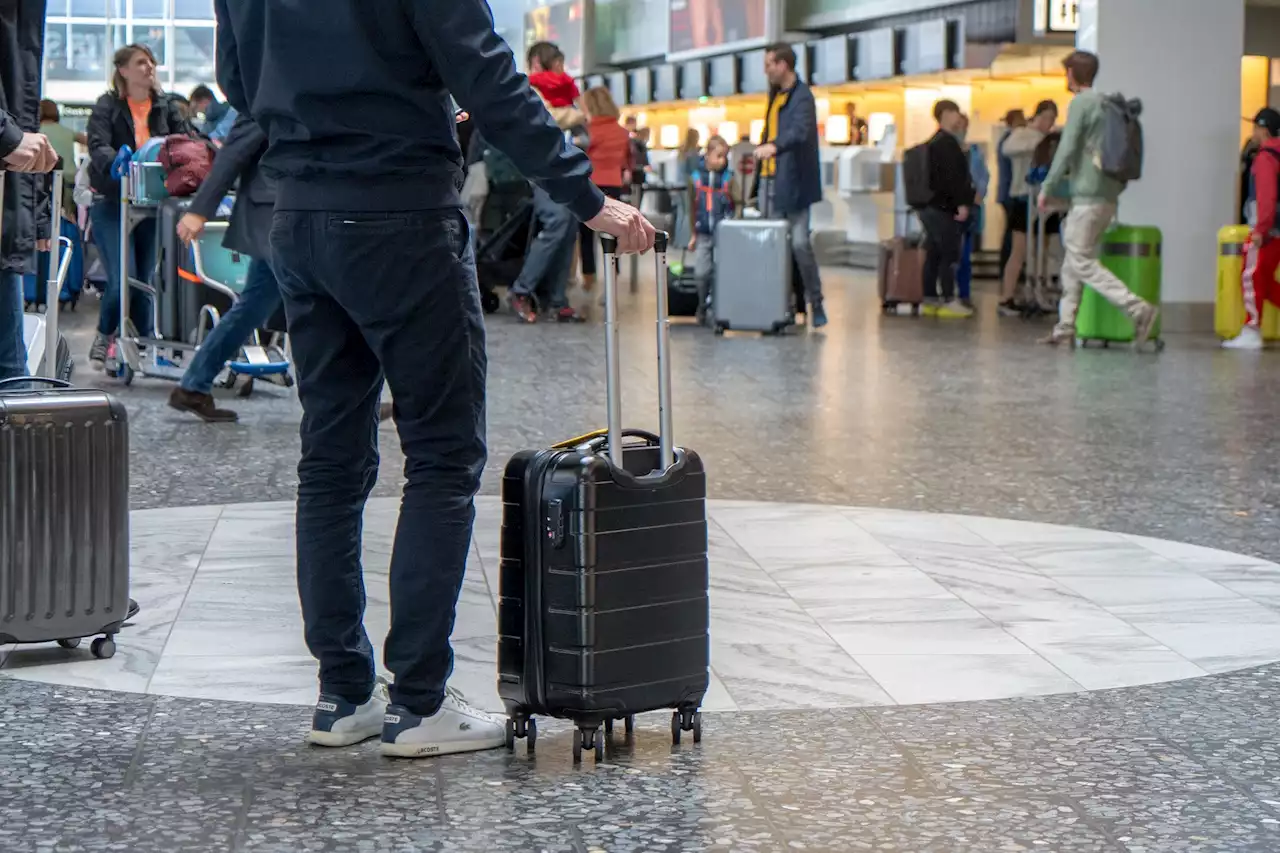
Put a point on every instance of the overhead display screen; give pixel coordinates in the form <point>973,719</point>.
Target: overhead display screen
<point>628,30</point>
<point>566,25</point>
<point>704,25</point>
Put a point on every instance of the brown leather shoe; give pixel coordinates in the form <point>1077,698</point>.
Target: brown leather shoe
<point>200,405</point>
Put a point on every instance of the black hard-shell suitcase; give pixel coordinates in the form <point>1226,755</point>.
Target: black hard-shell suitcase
<point>682,289</point>
<point>603,610</point>
<point>64,515</point>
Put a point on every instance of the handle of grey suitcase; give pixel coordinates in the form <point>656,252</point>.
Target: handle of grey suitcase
<point>613,367</point>
<point>57,273</point>
<point>28,380</point>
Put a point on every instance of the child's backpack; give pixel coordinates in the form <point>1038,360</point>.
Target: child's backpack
<point>916,182</point>
<point>1120,152</point>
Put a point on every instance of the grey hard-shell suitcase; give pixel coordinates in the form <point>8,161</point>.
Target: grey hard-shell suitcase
<point>752,289</point>
<point>64,515</point>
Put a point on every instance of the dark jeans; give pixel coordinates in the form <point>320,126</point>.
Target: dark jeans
<point>551,254</point>
<point>105,217</point>
<point>1006,243</point>
<point>587,237</point>
<point>13,347</point>
<point>252,308</point>
<point>369,295</point>
<point>943,236</point>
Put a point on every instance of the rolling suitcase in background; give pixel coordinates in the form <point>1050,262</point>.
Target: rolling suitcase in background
<point>1132,253</point>
<point>682,288</point>
<point>64,501</point>
<point>1228,311</point>
<point>752,290</point>
<point>602,604</point>
<point>900,273</point>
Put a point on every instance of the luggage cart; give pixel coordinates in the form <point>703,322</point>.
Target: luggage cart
<point>227,272</point>
<point>136,355</point>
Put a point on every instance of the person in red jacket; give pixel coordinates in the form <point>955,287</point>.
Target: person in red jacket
<point>1262,255</point>
<point>609,150</point>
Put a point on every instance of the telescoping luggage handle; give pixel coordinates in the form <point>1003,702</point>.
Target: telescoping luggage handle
<point>613,367</point>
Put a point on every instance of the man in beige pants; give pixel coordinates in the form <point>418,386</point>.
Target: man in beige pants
<point>1093,207</point>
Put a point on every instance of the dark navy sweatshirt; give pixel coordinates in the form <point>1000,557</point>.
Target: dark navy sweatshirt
<point>354,96</point>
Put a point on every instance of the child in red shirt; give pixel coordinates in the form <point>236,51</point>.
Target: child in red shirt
<point>557,89</point>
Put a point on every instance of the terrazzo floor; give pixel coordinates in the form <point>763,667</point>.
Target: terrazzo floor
<point>860,565</point>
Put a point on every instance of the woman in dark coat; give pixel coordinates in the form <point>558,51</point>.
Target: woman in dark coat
<point>133,112</point>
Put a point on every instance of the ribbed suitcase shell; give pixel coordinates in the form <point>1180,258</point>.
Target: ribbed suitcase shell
<point>64,515</point>
<point>603,607</point>
<point>753,275</point>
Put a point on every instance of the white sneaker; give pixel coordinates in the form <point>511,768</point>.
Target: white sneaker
<point>456,727</point>
<point>337,722</point>
<point>1248,339</point>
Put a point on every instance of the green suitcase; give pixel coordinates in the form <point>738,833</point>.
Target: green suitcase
<point>1132,252</point>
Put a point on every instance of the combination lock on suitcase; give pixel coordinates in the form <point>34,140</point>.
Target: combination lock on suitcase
<point>602,608</point>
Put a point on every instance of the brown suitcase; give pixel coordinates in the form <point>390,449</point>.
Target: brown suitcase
<point>900,274</point>
<point>64,515</point>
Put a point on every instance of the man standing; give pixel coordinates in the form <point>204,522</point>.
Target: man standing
<point>375,264</point>
<point>1093,206</point>
<point>946,218</point>
<point>1262,255</point>
<point>789,156</point>
<point>21,151</point>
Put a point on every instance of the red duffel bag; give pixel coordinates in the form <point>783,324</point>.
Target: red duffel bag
<point>187,161</point>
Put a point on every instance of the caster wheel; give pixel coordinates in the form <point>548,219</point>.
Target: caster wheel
<point>490,302</point>
<point>103,648</point>
<point>577,746</point>
<point>675,728</point>
<point>629,723</point>
<point>126,374</point>
<point>1159,344</point>
<point>246,389</point>
<point>531,734</point>
<point>697,727</point>
<point>511,735</point>
<point>915,310</point>
<point>1106,344</point>
<point>608,727</point>
<point>599,750</point>
<point>288,380</point>
<point>70,643</point>
<point>719,330</point>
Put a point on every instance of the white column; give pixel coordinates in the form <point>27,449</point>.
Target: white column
<point>1182,59</point>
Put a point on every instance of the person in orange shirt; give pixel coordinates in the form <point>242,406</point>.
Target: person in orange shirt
<point>133,111</point>
<point>609,150</point>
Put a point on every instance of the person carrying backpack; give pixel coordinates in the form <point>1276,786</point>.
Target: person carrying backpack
<point>1262,255</point>
<point>940,189</point>
<point>1086,156</point>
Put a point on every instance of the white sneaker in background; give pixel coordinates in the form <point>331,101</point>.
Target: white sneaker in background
<point>1248,339</point>
<point>337,722</point>
<point>456,727</point>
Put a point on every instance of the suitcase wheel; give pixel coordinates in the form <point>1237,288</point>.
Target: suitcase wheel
<point>688,720</point>
<point>522,727</point>
<point>70,643</point>
<point>490,302</point>
<point>103,648</point>
<point>587,738</point>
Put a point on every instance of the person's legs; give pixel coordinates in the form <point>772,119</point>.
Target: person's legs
<point>964,272</point>
<point>105,217</point>
<point>1006,242</point>
<point>1260,266</point>
<point>425,327</point>
<point>1013,267</point>
<point>932,253</point>
<point>561,269</point>
<point>546,256</point>
<point>339,382</point>
<point>1083,239</point>
<point>703,269</point>
<point>13,347</point>
<point>807,264</point>
<point>260,299</point>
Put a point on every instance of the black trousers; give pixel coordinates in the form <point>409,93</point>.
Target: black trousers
<point>943,239</point>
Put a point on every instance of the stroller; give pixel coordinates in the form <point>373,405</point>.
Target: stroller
<point>504,233</point>
<point>225,272</point>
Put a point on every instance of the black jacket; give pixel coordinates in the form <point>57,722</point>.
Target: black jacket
<point>798,173</point>
<point>111,128</point>
<point>949,177</point>
<point>25,208</point>
<point>354,97</point>
<point>250,228</point>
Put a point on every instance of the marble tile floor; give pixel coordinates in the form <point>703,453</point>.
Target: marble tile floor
<point>812,607</point>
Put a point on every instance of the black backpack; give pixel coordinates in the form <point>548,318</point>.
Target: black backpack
<point>916,182</point>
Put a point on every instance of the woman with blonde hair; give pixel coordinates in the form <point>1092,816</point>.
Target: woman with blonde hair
<point>609,150</point>
<point>130,114</point>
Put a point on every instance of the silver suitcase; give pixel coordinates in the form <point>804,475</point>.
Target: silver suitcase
<point>752,288</point>
<point>64,516</point>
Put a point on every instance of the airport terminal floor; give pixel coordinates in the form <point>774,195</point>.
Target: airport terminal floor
<point>967,594</point>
